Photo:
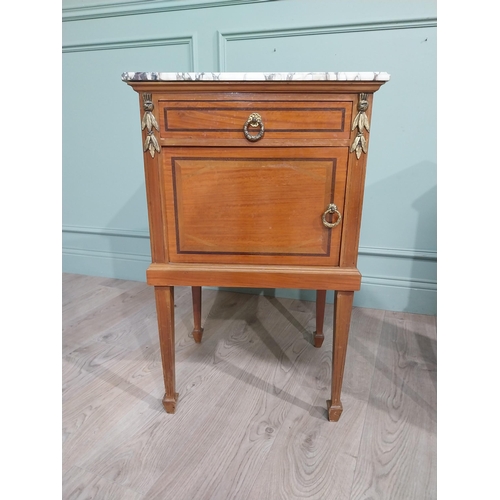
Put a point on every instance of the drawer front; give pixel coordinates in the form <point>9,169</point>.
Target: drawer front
<point>222,122</point>
<point>254,206</point>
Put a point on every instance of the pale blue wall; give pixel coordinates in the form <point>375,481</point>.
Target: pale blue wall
<point>105,226</point>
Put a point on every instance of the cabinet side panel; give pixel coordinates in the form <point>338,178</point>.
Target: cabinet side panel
<point>152,167</point>
<point>356,172</point>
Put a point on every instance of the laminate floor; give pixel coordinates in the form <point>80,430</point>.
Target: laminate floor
<point>251,420</point>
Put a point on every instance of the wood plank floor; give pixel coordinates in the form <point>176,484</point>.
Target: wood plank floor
<point>251,421</point>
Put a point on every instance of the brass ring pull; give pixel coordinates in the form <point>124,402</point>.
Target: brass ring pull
<point>332,209</point>
<point>254,120</point>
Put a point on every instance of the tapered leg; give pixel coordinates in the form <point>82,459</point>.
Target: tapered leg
<point>198,330</point>
<point>320,317</point>
<point>166,328</point>
<point>342,322</point>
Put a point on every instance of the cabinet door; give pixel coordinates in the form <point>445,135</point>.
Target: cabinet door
<point>252,205</point>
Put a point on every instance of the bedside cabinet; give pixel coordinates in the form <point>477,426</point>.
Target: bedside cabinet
<point>255,180</point>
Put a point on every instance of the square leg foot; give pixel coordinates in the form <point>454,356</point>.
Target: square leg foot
<point>318,339</point>
<point>197,334</point>
<point>169,404</point>
<point>334,412</point>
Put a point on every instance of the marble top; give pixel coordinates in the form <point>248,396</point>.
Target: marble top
<point>332,76</point>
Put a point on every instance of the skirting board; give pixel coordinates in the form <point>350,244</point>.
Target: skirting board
<point>376,292</point>
<point>106,264</point>
<point>373,296</point>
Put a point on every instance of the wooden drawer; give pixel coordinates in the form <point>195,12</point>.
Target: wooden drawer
<point>252,206</point>
<point>286,122</point>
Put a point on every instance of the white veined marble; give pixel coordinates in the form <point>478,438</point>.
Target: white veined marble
<point>332,76</point>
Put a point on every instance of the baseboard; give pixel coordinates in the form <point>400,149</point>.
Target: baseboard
<point>111,265</point>
<point>376,293</point>
<point>388,293</point>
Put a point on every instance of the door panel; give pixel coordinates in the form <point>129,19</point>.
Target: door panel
<point>253,205</point>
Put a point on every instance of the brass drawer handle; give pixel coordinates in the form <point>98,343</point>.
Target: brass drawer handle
<point>332,209</point>
<point>254,120</point>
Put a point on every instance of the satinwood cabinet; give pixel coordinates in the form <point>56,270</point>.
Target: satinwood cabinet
<point>255,180</point>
